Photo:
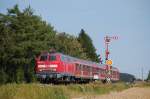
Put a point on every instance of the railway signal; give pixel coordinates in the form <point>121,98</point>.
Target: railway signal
<point>108,62</point>
<point>107,42</point>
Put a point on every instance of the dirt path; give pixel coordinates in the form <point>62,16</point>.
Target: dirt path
<point>132,93</point>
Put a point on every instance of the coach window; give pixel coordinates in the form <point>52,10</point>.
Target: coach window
<point>52,58</point>
<point>88,68</point>
<point>81,66</point>
<point>100,71</point>
<point>84,68</point>
<point>43,58</point>
<point>103,71</point>
<point>77,66</point>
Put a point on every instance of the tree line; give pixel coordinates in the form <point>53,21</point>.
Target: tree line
<point>23,35</point>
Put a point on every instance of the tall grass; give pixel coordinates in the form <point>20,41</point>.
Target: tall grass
<point>142,84</point>
<point>40,91</point>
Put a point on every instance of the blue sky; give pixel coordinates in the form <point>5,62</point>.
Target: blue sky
<point>127,19</point>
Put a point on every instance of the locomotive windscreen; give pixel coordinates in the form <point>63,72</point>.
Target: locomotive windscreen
<point>43,58</point>
<point>52,58</point>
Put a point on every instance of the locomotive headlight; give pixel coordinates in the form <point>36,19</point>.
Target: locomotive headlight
<point>41,66</point>
<point>53,65</point>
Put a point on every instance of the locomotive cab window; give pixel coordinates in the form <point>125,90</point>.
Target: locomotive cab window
<point>63,58</point>
<point>43,58</point>
<point>52,58</point>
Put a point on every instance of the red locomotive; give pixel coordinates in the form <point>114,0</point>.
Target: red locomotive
<point>56,67</point>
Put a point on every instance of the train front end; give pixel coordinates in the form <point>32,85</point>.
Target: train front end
<point>47,66</point>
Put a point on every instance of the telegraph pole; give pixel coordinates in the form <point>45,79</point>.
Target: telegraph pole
<point>142,73</point>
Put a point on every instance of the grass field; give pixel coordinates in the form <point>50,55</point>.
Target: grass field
<point>41,91</point>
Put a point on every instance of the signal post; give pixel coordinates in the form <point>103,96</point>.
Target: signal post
<point>108,62</point>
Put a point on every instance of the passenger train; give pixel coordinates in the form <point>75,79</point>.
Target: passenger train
<point>56,67</point>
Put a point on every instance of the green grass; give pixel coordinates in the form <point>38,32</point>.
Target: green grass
<point>39,91</point>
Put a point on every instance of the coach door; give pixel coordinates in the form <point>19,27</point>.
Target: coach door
<point>78,70</point>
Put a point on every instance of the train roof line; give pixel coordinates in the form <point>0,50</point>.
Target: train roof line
<point>82,60</point>
<point>85,62</point>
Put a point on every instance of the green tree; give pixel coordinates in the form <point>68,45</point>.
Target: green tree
<point>3,76</point>
<point>88,46</point>
<point>19,75</point>
<point>69,45</point>
<point>148,77</point>
<point>23,35</point>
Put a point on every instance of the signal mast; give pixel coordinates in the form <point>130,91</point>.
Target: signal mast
<point>108,62</point>
<point>107,41</point>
